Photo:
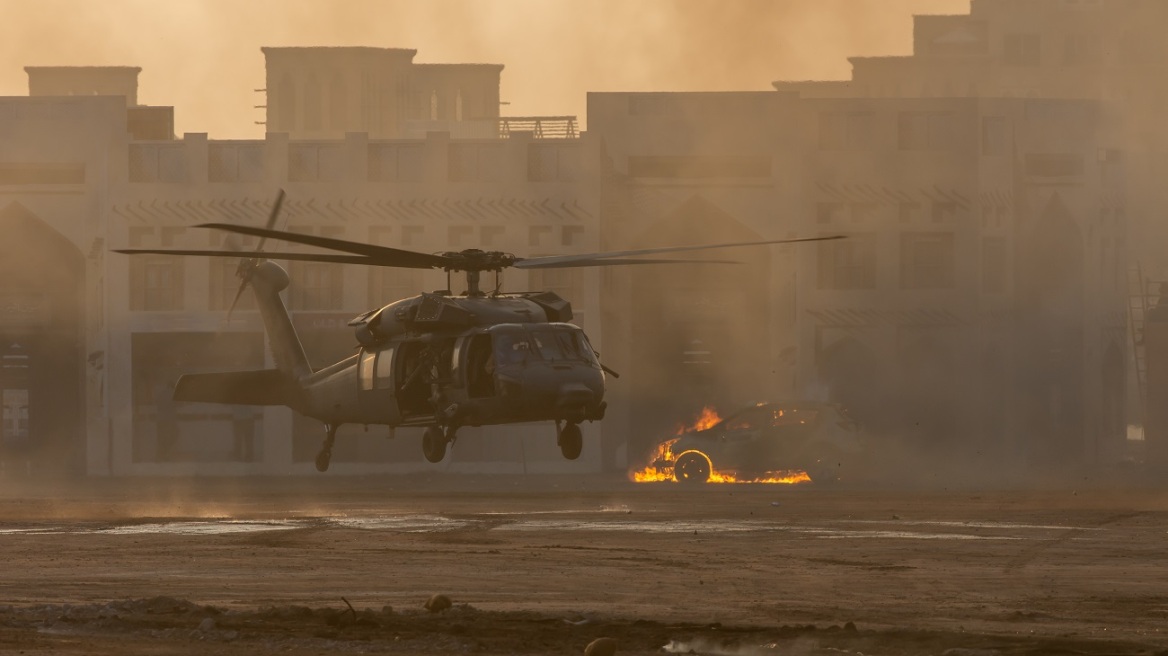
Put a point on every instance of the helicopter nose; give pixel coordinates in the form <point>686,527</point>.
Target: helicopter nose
<point>575,395</point>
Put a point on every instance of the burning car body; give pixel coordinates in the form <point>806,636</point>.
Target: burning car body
<point>786,443</point>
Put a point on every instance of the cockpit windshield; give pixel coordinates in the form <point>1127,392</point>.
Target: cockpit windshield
<point>562,344</point>
<point>547,343</point>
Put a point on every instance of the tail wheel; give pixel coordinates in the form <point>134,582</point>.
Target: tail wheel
<point>692,467</point>
<point>571,441</point>
<point>434,444</point>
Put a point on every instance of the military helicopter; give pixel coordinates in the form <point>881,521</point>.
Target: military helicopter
<point>437,361</point>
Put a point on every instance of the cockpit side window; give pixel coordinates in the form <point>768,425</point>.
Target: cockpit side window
<point>512,349</point>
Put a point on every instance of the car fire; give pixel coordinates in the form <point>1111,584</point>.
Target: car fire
<point>663,462</point>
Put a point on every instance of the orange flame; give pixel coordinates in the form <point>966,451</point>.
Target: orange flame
<point>708,418</point>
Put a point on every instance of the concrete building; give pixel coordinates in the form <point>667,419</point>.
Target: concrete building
<point>1110,51</point>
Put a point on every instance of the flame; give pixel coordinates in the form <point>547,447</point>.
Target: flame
<point>708,418</point>
<point>652,473</point>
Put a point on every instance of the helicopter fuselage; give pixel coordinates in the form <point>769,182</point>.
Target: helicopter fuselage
<point>498,374</point>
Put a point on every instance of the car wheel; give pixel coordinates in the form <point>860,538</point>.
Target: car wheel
<point>692,467</point>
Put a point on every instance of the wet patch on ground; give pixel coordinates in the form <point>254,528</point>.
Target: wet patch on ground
<point>604,520</point>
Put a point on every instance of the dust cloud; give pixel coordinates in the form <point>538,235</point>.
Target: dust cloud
<point>204,57</point>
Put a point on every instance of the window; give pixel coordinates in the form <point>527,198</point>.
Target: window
<point>571,235</point>
<point>908,211</point>
<point>227,162</point>
<point>156,281</point>
<point>847,263</point>
<point>476,163</point>
<point>303,163</point>
<point>542,163</point>
<point>943,211</point>
<point>863,212</point>
<point>1081,50</point>
<point>395,162</point>
<point>830,212</point>
<point>994,136</point>
<point>845,130</point>
<point>315,163</point>
<point>490,236</point>
<point>993,265</point>
<point>926,260</point>
<point>157,163</point>
<point>316,286</point>
<point>926,130</point>
<point>537,234</point>
<point>1023,50</point>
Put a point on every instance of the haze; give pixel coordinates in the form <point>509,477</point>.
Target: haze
<point>204,57</point>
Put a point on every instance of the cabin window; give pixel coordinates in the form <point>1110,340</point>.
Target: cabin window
<point>365,369</point>
<point>384,370</point>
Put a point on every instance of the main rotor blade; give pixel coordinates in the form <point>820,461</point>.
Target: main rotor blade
<point>595,263</point>
<point>259,255</point>
<point>385,255</point>
<point>538,262</point>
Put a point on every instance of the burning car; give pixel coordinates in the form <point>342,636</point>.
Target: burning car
<point>767,443</point>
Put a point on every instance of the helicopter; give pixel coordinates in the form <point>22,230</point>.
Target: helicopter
<point>436,361</point>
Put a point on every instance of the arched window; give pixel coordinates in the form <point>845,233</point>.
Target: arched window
<point>433,105</point>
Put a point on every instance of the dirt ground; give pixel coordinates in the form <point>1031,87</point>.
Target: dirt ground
<point>545,565</point>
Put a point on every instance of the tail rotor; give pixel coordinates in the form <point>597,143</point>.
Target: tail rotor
<point>247,265</point>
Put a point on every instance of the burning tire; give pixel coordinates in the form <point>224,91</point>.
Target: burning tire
<point>692,467</point>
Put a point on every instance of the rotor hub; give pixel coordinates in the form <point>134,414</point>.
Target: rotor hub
<point>475,260</point>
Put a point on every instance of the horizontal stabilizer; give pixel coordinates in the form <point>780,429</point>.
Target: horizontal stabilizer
<point>264,387</point>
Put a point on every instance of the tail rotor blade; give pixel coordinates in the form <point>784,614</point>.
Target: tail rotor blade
<point>247,266</point>
<point>238,294</point>
<point>272,217</point>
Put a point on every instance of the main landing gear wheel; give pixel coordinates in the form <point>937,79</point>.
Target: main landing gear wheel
<point>692,468</point>
<point>325,456</point>
<point>434,444</point>
<point>571,441</point>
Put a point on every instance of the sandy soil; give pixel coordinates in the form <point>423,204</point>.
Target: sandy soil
<point>545,565</point>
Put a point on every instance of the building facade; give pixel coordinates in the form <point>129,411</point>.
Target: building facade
<point>975,307</point>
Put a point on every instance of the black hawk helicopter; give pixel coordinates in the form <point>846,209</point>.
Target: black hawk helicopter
<point>437,361</point>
